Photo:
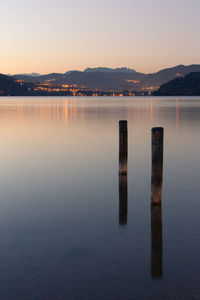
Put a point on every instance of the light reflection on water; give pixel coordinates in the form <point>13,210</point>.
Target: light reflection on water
<point>66,109</point>
<point>62,200</point>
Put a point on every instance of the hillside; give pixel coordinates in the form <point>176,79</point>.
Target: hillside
<point>8,87</point>
<point>165,75</point>
<point>183,86</point>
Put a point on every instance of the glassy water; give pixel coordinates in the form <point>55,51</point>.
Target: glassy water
<point>70,229</point>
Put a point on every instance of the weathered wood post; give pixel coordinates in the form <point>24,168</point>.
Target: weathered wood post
<point>123,156</point>
<point>156,242</point>
<point>157,165</point>
<point>123,200</point>
<point>123,147</point>
<point>156,201</point>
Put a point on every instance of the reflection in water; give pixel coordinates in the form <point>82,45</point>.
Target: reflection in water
<point>156,200</point>
<point>47,110</point>
<point>123,200</point>
<point>177,114</point>
<point>156,241</point>
<point>151,110</point>
<point>20,111</point>
<point>62,189</point>
<point>67,109</point>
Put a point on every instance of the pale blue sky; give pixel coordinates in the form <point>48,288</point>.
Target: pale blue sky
<point>56,36</point>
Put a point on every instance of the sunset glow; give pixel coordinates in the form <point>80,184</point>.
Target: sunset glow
<point>57,36</point>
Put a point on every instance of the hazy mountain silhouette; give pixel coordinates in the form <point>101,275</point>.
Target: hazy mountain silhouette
<point>105,78</point>
<point>182,86</point>
<point>100,80</point>
<point>108,70</point>
<point>31,74</point>
<point>90,79</point>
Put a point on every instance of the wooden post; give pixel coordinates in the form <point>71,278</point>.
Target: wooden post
<point>123,147</point>
<point>123,200</point>
<point>156,201</point>
<point>156,242</point>
<point>157,165</point>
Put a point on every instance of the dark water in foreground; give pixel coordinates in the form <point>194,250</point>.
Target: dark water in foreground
<point>60,230</point>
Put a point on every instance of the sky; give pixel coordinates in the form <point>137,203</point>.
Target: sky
<point>60,35</point>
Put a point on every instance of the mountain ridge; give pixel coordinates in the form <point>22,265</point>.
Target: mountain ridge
<point>119,78</point>
<point>113,79</point>
<point>109,70</point>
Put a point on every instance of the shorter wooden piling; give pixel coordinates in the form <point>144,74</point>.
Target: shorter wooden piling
<point>123,147</point>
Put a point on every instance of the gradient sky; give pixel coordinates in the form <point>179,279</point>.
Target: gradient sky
<point>56,36</point>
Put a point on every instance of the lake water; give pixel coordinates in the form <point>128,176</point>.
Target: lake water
<point>63,233</point>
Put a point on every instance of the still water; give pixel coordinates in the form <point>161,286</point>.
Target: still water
<point>64,234</point>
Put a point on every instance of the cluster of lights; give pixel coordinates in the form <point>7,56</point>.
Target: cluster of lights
<point>150,88</point>
<point>51,87</point>
<point>133,81</point>
<point>179,75</point>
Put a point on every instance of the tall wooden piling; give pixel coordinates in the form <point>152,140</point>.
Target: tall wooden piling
<point>157,165</point>
<point>123,147</point>
<point>123,200</point>
<point>156,242</point>
<point>156,201</point>
<point>123,157</point>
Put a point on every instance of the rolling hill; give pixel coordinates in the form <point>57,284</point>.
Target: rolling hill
<point>183,86</point>
<point>8,87</point>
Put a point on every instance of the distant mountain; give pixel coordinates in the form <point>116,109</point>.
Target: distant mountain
<point>31,74</point>
<point>40,78</point>
<point>108,70</point>
<point>182,86</point>
<point>100,80</point>
<point>8,87</point>
<point>114,79</point>
<point>90,78</point>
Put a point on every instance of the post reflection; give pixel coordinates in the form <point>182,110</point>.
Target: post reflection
<point>156,201</point>
<point>123,200</point>
<point>156,242</point>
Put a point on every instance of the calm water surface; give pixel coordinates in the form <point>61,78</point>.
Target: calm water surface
<point>61,236</point>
